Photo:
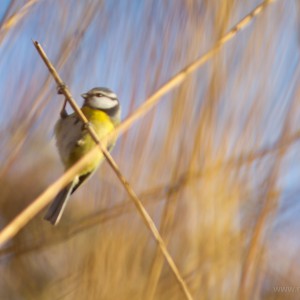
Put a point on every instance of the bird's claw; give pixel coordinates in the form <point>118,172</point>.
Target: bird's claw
<point>87,125</point>
<point>63,113</point>
<point>80,143</point>
<point>60,88</point>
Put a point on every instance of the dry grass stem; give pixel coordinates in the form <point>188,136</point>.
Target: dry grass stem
<point>22,219</point>
<point>177,79</point>
<point>11,229</point>
<point>36,107</point>
<point>212,154</point>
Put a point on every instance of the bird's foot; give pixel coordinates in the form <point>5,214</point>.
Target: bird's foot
<point>63,113</point>
<point>87,125</point>
<point>60,88</point>
<point>80,143</point>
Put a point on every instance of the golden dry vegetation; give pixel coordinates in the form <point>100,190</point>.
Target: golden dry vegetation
<point>215,162</point>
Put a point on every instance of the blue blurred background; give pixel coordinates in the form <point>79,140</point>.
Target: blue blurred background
<point>216,162</point>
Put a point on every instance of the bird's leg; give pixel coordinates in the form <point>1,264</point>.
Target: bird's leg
<point>60,88</point>
<point>63,112</point>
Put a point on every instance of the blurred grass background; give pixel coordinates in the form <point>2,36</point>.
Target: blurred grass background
<point>216,163</point>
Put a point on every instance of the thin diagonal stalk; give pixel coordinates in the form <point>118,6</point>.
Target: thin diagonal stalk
<point>177,79</point>
<point>165,229</point>
<point>25,216</point>
<point>36,108</point>
<point>10,230</point>
<point>181,76</point>
<point>137,202</point>
<point>149,104</point>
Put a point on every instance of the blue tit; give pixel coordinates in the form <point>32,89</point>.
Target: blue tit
<point>102,108</point>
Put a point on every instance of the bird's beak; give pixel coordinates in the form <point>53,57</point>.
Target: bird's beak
<point>84,96</point>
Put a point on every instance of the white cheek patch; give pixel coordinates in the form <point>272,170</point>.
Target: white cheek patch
<point>111,95</point>
<point>102,102</point>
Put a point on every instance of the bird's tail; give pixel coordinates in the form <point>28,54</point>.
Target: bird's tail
<point>58,205</point>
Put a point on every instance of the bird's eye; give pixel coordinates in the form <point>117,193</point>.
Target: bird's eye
<point>99,95</point>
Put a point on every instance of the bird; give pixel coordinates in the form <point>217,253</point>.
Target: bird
<point>101,107</point>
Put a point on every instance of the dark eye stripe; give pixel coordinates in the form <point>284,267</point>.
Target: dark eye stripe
<point>103,95</point>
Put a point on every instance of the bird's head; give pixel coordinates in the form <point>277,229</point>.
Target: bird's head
<point>102,99</point>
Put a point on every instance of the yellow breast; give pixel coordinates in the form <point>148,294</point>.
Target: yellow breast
<point>73,142</point>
